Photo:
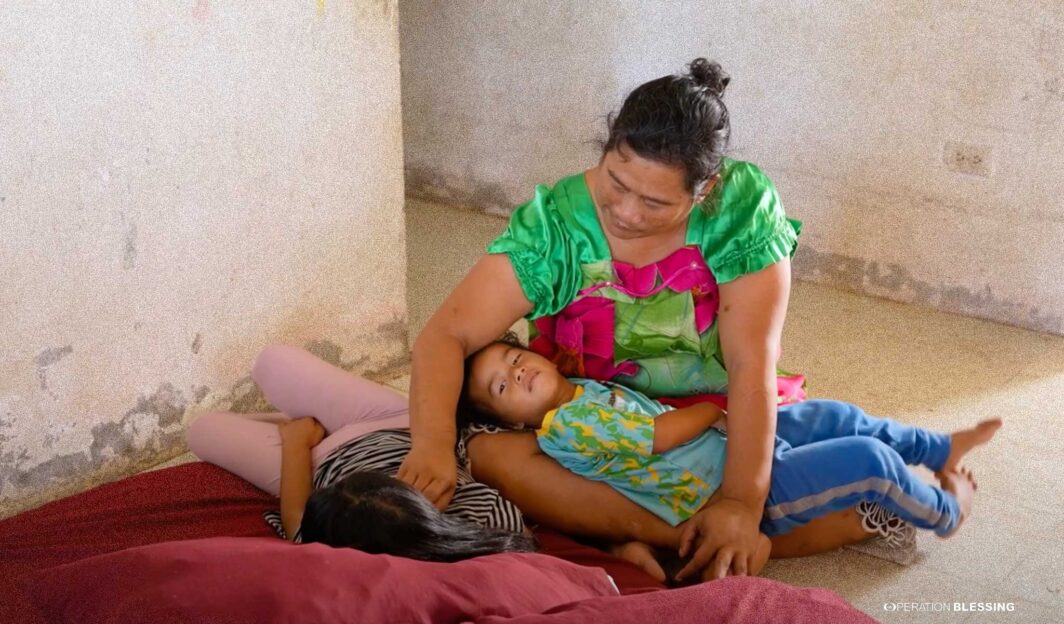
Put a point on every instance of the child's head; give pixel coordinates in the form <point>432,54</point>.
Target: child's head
<point>509,383</point>
<point>378,514</point>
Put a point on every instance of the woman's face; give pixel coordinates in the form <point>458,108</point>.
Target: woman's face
<point>637,197</point>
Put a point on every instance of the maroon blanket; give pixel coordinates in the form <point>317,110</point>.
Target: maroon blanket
<point>200,500</point>
<point>184,502</point>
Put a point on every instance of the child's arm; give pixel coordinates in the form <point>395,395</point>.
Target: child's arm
<point>676,427</point>
<point>298,437</point>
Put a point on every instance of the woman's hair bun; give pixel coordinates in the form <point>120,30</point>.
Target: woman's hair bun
<point>708,74</point>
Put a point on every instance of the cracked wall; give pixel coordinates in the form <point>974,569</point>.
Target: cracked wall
<point>849,107</point>
<point>180,186</point>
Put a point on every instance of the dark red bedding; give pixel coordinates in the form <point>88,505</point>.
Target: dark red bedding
<point>184,502</point>
<point>200,500</point>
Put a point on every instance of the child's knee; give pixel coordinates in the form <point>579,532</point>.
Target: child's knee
<point>202,431</point>
<point>271,357</point>
<point>877,457</point>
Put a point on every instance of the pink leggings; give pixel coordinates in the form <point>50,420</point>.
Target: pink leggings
<point>299,384</point>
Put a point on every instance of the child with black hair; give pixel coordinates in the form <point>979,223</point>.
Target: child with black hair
<point>334,471</point>
<point>374,512</point>
<point>828,456</point>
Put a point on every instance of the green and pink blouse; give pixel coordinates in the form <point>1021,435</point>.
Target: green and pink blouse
<point>650,328</point>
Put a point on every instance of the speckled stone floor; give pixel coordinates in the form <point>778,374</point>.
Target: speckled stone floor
<point>919,366</point>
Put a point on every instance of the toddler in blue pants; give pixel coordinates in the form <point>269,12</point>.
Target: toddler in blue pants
<point>828,455</point>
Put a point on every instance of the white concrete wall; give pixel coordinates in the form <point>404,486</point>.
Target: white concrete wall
<point>848,106</point>
<point>182,183</point>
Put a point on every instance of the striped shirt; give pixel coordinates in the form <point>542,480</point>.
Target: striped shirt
<point>384,451</point>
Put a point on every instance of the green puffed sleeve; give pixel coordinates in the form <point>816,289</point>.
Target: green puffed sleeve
<point>542,254</point>
<point>745,228</point>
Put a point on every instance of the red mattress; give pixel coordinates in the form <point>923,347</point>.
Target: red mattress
<point>199,500</point>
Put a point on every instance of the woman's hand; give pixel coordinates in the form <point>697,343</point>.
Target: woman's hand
<point>301,432</point>
<point>488,300</point>
<point>752,311</point>
<point>433,470</point>
<point>727,532</point>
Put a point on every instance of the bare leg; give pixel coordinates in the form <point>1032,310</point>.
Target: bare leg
<point>823,534</point>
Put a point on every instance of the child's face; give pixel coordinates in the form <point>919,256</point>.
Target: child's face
<point>515,385</point>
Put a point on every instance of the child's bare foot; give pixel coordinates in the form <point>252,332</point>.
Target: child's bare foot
<point>961,484</point>
<point>642,555</point>
<point>963,441</point>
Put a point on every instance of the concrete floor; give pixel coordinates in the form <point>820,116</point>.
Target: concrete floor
<point>915,365</point>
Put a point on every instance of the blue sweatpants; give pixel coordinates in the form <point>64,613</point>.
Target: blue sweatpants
<point>829,456</point>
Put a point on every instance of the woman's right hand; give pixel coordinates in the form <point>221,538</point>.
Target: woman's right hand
<point>433,471</point>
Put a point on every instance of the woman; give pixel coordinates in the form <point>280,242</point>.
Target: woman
<point>666,267</point>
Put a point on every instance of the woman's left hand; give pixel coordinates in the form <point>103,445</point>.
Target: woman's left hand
<point>301,431</point>
<point>726,532</point>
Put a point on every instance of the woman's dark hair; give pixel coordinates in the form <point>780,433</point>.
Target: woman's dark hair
<point>467,411</point>
<point>378,514</point>
<point>677,120</point>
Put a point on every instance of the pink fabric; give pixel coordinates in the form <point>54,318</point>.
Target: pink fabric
<point>684,269</point>
<point>266,580</point>
<point>735,600</point>
<point>184,502</point>
<point>789,389</point>
<point>299,384</point>
<point>580,338</point>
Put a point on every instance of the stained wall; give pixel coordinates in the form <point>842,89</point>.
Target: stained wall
<point>182,183</point>
<point>921,143</point>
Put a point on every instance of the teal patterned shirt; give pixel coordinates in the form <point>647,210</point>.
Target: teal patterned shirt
<point>606,433</point>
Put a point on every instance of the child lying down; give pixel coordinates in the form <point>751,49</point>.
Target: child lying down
<point>828,455</point>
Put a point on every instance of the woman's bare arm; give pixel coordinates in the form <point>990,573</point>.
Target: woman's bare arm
<point>752,312</point>
<point>483,306</point>
<point>513,464</point>
<point>753,309</point>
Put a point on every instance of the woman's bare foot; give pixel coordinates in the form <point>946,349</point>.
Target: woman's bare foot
<point>760,557</point>
<point>961,484</point>
<point>642,555</point>
<point>963,441</point>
